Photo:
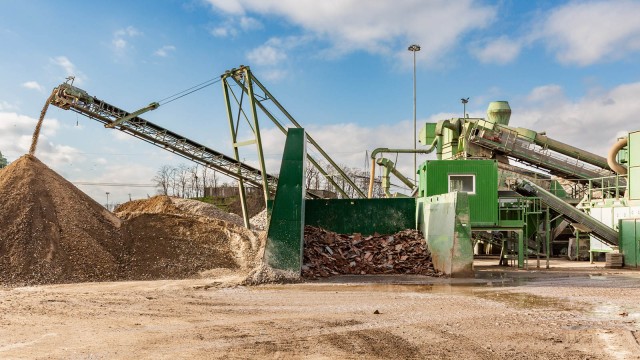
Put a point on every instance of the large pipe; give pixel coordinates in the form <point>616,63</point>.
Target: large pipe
<point>571,151</point>
<point>390,167</point>
<point>454,125</point>
<point>377,151</point>
<point>611,157</point>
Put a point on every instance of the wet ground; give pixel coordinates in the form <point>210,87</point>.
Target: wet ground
<point>570,311</point>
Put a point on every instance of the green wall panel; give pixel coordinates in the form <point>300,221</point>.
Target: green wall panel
<point>483,205</point>
<point>630,241</point>
<point>634,149</point>
<point>366,216</point>
<point>285,235</point>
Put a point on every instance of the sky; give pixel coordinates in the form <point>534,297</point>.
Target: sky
<point>340,67</point>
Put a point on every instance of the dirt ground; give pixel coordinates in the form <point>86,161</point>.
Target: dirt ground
<point>571,311</point>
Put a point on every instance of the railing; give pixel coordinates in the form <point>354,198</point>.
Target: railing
<point>609,187</point>
<point>506,140</point>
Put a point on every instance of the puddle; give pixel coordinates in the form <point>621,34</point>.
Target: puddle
<point>607,310</point>
<point>528,301</point>
<point>401,283</point>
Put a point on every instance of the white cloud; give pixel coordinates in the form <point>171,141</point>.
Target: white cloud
<point>231,7</point>
<point>498,51</point>
<point>375,26</point>
<point>266,55</point>
<point>69,68</point>
<point>591,123</point>
<point>6,106</point>
<point>120,43</point>
<point>248,23</point>
<point>224,30</point>
<point>129,31</point>
<point>165,50</point>
<point>16,133</point>
<point>590,32</point>
<point>33,85</point>
<point>231,27</point>
<point>273,54</point>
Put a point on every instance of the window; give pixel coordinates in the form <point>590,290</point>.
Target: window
<point>463,183</point>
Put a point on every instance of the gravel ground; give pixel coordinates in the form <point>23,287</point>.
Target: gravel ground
<point>568,312</point>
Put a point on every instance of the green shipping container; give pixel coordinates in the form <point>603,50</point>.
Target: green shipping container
<point>478,178</point>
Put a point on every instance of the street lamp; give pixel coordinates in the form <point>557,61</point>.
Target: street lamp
<point>107,200</point>
<point>464,106</point>
<point>414,48</point>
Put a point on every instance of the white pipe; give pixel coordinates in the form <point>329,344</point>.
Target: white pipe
<point>611,157</point>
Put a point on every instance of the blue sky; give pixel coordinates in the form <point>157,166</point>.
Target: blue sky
<point>341,67</point>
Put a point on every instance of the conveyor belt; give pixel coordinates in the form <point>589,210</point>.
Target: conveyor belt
<point>69,97</point>
<point>508,143</point>
<point>598,229</point>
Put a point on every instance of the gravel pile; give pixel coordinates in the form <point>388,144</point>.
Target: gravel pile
<point>163,204</point>
<point>260,221</point>
<point>51,232</point>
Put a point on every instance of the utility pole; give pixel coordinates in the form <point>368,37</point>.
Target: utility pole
<point>464,107</point>
<point>414,48</point>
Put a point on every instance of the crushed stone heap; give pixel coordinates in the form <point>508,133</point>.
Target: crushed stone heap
<point>162,204</point>
<point>51,232</point>
<point>327,253</point>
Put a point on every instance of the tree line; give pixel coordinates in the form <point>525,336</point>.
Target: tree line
<point>190,181</point>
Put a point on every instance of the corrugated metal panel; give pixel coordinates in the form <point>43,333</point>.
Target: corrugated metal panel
<point>366,216</point>
<point>630,241</point>
<point>634,165</point>
<point>483,205</point>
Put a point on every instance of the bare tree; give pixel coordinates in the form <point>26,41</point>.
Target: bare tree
<point>194,185</point>
<point>162,179</point>
<point>182,178</point>
<point>311,176</point>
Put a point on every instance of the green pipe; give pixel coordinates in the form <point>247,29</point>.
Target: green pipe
<point>390,167</point>
<point>455,126</point>
<point>377,151</point>
<point>571,151</point>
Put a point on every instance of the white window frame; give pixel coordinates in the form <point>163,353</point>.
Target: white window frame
<point>473,177</point>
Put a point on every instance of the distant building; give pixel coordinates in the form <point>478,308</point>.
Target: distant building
<point>3,161</point>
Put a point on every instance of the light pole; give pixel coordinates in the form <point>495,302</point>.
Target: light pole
<point>107,200</point>
<point>414,48</point>
<point>464,107</point>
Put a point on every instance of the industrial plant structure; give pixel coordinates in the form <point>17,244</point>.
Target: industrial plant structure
<point>475,197</point>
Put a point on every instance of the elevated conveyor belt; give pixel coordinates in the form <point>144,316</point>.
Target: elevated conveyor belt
<point>505,140</point>
<point>68,97</point>
<point>598,229</point>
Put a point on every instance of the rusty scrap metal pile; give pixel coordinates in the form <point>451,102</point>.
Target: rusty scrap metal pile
<point>327,253</point>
